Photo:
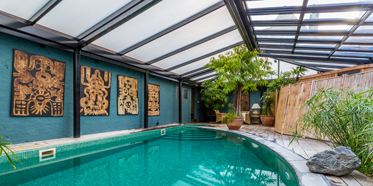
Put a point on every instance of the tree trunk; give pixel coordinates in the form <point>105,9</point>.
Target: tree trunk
<point>237,100</point>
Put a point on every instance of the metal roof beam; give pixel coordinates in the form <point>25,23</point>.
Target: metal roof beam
<point>43,11</point>
<point>311,9</point>
<point>213,78</point>
<point>310,53</point>
<point>207,71</point>
<point>320,48</point>
<point>352,30</point>
<point>301,64</point>
<point>173,27</point>
<point>309,41</point>
<point>192,71</point>
<point>115,20</point>
<point>310,33</point>
<point>205,56</point>
<point>317,58</point>
<point>239,17</point>
<point>193,44</point>
<point>326,66</point>
<point>308,22</point>
<point>199,79</point>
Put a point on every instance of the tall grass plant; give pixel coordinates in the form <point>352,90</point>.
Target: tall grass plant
<point>343,116</point>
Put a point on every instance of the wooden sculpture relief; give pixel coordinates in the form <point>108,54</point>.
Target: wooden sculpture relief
<point>94,92</point>
<point>38,85</point>
<point>153,104</point>
<point>245,101</point>
<point>127,95</point>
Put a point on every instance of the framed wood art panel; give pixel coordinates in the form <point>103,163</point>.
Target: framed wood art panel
<point>128,102</point>
<point>94,92</point>
<point>154,100</point>
<point>38,85</point>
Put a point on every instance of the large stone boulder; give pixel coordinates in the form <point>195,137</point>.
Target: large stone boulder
<point>339,161</point>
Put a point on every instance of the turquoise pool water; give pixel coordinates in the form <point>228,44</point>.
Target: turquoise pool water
<point>189,157</point>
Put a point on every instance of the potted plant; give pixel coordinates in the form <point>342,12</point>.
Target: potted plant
<point>240,70</point>
<point>213,97</point>
<point>267,117</point>
<point>232,121</point>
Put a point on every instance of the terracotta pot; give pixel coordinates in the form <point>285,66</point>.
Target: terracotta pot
<point>236,123</point>
<point>267,120</point>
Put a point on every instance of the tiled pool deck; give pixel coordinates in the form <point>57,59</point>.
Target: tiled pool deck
<point>306,147</point>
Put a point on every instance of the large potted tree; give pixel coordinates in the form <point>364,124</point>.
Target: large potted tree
<point>240,70</point>
<point>267,117</point>
<point>213,97</point>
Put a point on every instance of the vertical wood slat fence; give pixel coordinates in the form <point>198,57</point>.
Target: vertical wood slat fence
<point>293,97</point>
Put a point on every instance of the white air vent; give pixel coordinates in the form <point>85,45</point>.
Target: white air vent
<point>163,132</point>
<point>47,154</point>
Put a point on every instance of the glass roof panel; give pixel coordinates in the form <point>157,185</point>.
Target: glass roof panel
<point>157,18</point>
<point>275,27</point>
<point>337,38</point>
<point>269,43</point>
<point>320,2</point>
<point>275,17</point>
<point>21,8</point>
<point>370,19</point>
<point>326,28</point>
<point>200,50</point>
<point>276,36</point>
<point>333,15</point>
<point>273,3</point>
<point>353,54</point>
<point>360,39</point>
<point>312,51</point>
<point>197,64</point>
<point>364,29</point>
<point>198,77</point>
<point>357,47</point>
<point>81,15</point>
<point>316,45</point>
<point>194,31</point>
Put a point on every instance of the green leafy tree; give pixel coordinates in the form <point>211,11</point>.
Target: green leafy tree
<point>286,78</point>
<point>240,70</point>
<point>213,96</point>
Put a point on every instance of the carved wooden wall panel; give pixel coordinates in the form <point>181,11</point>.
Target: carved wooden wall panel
<point>153,104</point>
<point>94,92</point>
<point>38,85</point>
<point>128,103</point>
<point>245,101</point>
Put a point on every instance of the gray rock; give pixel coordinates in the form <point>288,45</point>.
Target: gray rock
<point>339,161</point>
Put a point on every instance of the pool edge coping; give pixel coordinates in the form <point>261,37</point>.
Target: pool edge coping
<point>297,163</point>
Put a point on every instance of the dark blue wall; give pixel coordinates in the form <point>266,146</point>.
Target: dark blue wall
<point>27,129</point>
<point>254,98</point>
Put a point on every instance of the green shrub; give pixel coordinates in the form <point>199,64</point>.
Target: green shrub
<point>345,118</point>
<point>213,96</point>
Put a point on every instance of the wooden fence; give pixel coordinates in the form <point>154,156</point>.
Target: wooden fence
<point>292,97</point>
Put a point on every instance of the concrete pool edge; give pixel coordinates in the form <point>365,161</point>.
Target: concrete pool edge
<point>297,163</point>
